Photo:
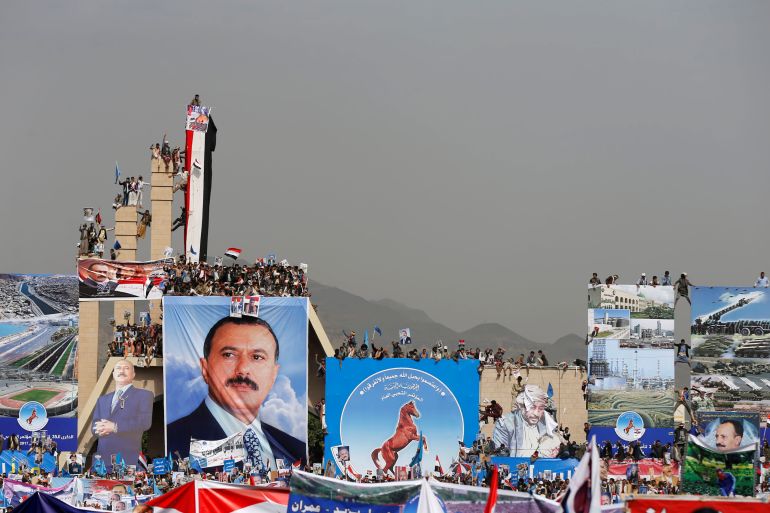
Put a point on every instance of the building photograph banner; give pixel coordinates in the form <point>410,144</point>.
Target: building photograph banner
<point>398,412</point>
<point>241,375</point>
<point>730,346</point>
<point>635,382</point>
<point>117,280</point>
<point>642,301</point>
<point>38,351</point>
<point>630,393</point>
<point>727,473</point>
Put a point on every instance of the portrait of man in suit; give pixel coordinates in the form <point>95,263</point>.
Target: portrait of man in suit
<point>240,366</point>
<point>121,417</point>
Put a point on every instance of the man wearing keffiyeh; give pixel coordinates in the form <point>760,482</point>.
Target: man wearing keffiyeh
<point>528,428</point>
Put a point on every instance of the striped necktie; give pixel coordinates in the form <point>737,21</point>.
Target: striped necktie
<point>116,398</point>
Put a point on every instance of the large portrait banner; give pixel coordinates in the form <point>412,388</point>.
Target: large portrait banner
<point>397,412</point>
<point>229,375</point>
<point>726,473</point>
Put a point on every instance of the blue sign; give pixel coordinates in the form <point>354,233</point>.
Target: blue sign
<point>229,465</point>
<point>554,465</point>
<point>160,466</point>
<point>62,430</point>
<point>386,407</point>
<point>647,438</point>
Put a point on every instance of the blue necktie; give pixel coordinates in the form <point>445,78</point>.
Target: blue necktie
<point>253,449</point>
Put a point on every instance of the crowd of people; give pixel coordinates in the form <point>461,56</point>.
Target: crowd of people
<point>133,193</point>
<point>264,278</point>
<point>681,285</point>
<point>614,279</point>
<point>93,234</point>
<point>137,340</point>
<point>487,358</point>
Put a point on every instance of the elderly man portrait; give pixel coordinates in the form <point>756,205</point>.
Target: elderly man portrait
<point>529,428</point>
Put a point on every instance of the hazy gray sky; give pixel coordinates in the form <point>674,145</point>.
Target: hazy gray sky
<point>474,159</point>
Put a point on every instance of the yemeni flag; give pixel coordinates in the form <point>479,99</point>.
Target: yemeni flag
<point>233,253</point>
<point>438,468</point>
<point>221,497</point>
<point>199,147</point>
<point>352,474</point>
<point>142,461</point>
<point>492,498</point>
<point>584,494</point>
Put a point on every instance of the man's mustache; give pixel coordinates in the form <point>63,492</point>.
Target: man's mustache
<point>241,380</point>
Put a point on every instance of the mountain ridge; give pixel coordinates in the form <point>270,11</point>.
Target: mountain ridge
<point>341,310</point>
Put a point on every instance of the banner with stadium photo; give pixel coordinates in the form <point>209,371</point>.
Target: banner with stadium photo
<point>117,280</point>
<point>240,375</point>
<point>730,345</point>
<point>727,473</point>
<point>38,351</point>
<point>398,412</point>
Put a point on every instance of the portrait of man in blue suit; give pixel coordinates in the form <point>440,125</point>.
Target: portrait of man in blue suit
<point>121,417</point>
<point>239,365</point>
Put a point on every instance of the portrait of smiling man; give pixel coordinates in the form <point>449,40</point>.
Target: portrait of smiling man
<point>239,366</point>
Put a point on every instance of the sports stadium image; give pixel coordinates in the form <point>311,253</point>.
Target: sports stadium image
<point>38,343</point>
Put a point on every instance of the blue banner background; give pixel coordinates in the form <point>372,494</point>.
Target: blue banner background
<point>557,466</point>
<point>61,429</point>
<point>363,398</point>
<point>665,435</point>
